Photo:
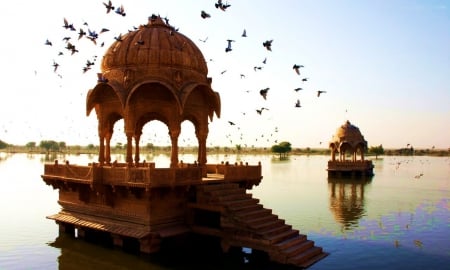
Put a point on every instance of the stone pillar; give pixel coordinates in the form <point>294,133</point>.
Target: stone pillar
<point>137,137</point>
<point>333,154</point>
<point>101,151</point>
<point>201,137</point>
<point>108,148</point>
<point>174,133</point>
<point>129,158</point>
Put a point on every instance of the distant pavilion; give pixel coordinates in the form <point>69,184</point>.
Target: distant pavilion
<point>348,142</point>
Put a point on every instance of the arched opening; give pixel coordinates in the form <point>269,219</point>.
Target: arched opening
<point>188,142</point>
<point>155,143</point>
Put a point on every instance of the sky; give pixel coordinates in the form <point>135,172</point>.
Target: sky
<point>385,67</point>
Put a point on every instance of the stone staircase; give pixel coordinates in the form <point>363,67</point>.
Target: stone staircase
<point>244,222</point>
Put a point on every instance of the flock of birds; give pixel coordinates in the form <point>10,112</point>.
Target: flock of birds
<point>74,34</point>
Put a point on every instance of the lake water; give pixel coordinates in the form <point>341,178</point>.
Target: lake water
<point>398,220</point>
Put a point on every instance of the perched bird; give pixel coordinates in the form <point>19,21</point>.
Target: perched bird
<point>121,11</point>
<point>298,89</point>
<point>297,104</point>
<point>205,15</point>
<point>244,34</point>
<point>108,6</point>
<point>48,42</point>
<point>228,48</point>
<point>320,92</point>
<point>268,44</point>
<point>261,110</point>
<point>297,68</point>
<point>263,92</point>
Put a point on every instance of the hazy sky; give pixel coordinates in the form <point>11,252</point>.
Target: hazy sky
<point>385,67</point>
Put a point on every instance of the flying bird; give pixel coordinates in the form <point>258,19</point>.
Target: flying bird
<point>231,123</point>
<point>297,68</point>
<point>222,6</point>
<point>68,26</point>
<point>264,61</point>
<point>261,110</point>
<point>257,68</point>
<point>263,92</point>
<point>81,33</point>
<point>320,92</point>
<point>268,44</point>
<point>48,42</point>
<point>108,6</point>
<point>203,40</point>
<point>55,66</point>
<point>298,89</point>
<point>121,11</point>
<point>228,48</point>
<point>304,79</point>
<point>297,104</point>
<point>205,15</point>
<point>244,34</point>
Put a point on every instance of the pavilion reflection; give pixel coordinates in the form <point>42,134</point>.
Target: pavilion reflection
<point>347,200</point>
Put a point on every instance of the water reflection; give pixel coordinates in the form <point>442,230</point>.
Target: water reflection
<point>347,200</point>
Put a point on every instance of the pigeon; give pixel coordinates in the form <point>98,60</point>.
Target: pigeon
<point>121,11</point>
<point>68,26</point>
<point>320,92</point>
<point>297,104</point>
<point>205,15</point>
<point>55,66</point>
<point>297,68</point>
<point>108,6</point>
<point>261,110</point>
<point>222,6</point>
<point>263,92</point>
<point>298,89</point>
<point>304,79</point>
<point>48,42</point>
<point>268,44</point>
<point>228,48</point>
<point>244,34</point>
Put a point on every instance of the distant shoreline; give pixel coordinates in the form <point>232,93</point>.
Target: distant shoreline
<point>76,150</point>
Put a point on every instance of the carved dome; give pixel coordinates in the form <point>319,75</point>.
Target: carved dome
<point>155,50</point>
<point>348,133</point>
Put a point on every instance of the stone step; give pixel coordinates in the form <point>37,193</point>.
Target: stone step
<point>282,236</point>
<point>215,187</point>
<point>238,204</point>
<point>224,192</point>
<point>246,207</point>
<point>264,222</point>
<point>314,259</point>
<point>298,248</point>
<point>234,197</point>
<point>304,257</point>
<point>291,242</point>
<point>249,214</point>
<point>277,228</point>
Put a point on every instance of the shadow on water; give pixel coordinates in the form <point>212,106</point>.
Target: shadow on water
<point>180,253</point>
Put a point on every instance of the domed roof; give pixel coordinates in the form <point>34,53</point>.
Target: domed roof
<point>156,50</point>
<point>348,133</point>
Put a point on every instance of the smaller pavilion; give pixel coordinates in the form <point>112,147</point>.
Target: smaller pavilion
<point>350,144</point>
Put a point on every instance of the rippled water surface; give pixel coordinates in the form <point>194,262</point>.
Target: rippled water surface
<point>400,219</point>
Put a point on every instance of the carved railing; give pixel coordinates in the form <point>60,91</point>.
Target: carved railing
<point>148,174</point>
<point>236,171</point>
<point>350,165</point>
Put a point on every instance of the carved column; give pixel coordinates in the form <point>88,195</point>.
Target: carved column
<point>129,158</point>
<point>137,137</point>
<point>201,137</point>
<point>101,151</point>
<point>174,133</point>
<point>108,147</point>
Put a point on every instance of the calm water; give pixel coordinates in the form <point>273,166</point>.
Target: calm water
<point>397,220</point>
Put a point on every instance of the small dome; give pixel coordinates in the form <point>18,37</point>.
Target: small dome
<point>349,134</point>
<point>154,50</point>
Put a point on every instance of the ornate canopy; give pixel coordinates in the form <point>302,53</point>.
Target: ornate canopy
<point>153,73</point>
<point>348,138</point>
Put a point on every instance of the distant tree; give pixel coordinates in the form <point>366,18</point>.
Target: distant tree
<point>238,147</point>
<point>376,150</point>
<point>49,145</point>
<point>30,145</point>
<point>119,145</point>
<point>3,145</point>
<point>90,146</point>
<point>62,145</point>
<point>150,147</point>
<point>283,148</point>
